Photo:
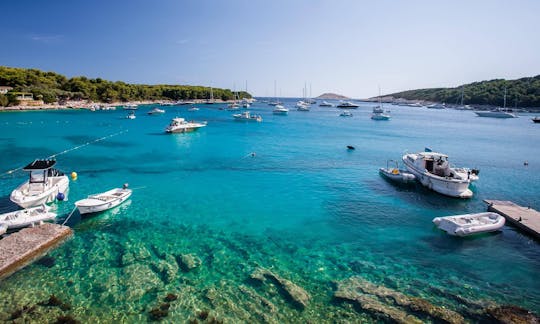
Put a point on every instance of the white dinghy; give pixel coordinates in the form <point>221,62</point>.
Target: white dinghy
<point>468,224</point>
<point>395,174</point>
<point>103,201</point>
<point>27,217</point>
<point>44,186</point>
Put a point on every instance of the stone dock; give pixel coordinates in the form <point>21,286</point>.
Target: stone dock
<point>524,218</point>
<point>21,248</point>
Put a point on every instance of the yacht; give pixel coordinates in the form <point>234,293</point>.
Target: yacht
<point>246,116</point>
<point>325,104</point>
<point>180,125</point>
<point>378,111</point>
<point>233,106</point>
<point>280,110</point>
<point>44,185</point>
<point>156,111</point>
<point>211,100</point>
<point>434,172</point>
<point>302,106</point>
<point>536,120</point>
<point>347,105</point>
<point>498,112</point>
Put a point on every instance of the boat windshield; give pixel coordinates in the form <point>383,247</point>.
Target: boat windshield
<point>37,176</point>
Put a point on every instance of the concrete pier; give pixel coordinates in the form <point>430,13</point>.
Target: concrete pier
<point>524,218</point>
<point>23,247</point>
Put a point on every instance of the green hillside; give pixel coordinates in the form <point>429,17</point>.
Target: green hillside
<point>524,91</point>
<point>52,87</point>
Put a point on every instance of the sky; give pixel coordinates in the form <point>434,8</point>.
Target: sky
<point>349,47</point>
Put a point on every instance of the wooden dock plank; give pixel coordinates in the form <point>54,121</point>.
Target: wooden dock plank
<point>21,248</point>
<point>524,218</point>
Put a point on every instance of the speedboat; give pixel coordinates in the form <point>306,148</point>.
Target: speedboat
<point>434,172</point>
<point>536,120</point>
<point>395,174</point>
<point>27,217</point>
<point>103,201</point>
<point>131,115</point>
<point>280,110</point>
<point>233,106</point>
<point>180,125</point>
<point>325,104</point>
<point>346,113</point>
<point>302,106</point>
<point>156,111</point>
<point>468,224</point>
<point>347,104</point>
<point>436,106</point>
<point>496,113</point>
<point>246,116</point>
<point>44,185</point>
<point>246,105</point>
<point>193,108</point>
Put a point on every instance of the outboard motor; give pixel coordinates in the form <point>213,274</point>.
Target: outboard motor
<point>475,171</point>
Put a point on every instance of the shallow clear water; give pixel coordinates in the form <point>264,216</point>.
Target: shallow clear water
<point>304,206</point>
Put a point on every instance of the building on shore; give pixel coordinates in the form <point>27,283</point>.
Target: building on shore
<point>5,89</point>
<point>27,99</point>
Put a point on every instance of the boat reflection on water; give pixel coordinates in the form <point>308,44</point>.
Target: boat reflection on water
<point>101,220</point>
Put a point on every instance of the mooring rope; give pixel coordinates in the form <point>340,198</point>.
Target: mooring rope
<point>65,221</point>
<point>69,150</point>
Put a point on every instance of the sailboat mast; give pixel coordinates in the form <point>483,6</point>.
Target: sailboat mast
<point>504,97</point>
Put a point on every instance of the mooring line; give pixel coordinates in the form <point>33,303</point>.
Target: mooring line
<point>65,221</point>
<point>71,149</point>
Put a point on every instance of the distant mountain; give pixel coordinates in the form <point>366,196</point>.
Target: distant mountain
<point>524,92</point>
<point>331,96</point>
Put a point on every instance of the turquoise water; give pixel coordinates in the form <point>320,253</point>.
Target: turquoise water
<point>303,206</point>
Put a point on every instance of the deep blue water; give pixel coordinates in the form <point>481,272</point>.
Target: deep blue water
<point>315,211</point>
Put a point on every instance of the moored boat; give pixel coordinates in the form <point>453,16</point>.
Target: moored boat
<point>468,224</point>
<point>180,125</point>
<point>103,201</point>
<point>434,172</point>
<point>131,107</point>
<point>536,120</point>
<point>395,174</point>
<point>43,186</point>
<point>27,217</point>
<point>280,110</point>
<point>156,111</point>
<point>346,113</point>
<point>347,105</point>
<point>246,116</point>
<point>131,115</point>
<point>325,104</point>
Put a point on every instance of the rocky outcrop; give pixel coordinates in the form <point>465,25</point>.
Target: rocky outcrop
<point>367,296</point>
<point>136,253</point>
<point>168,269</point>
<point>189,261</point>
<point>296,293</point>
<point>511,315</point>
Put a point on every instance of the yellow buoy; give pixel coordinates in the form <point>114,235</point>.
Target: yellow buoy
<point>73,175</point>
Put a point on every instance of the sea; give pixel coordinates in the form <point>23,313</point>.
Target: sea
<point>276,222</point>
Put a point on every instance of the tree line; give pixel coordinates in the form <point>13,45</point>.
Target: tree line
<point>53,87</point>
<point>524,92</point>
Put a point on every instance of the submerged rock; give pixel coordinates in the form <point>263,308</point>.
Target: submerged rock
<point>46,261</point>
<point>139,280</point>
<point>167,269</point>
<point>189,261</point>
<point>293,291</point>
<point>512,315</point>
<point>134,254</point>
<point>366,294</point>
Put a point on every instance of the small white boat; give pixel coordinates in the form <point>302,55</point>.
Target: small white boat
<point>468,224</point>
<point>347,105</point>
<point>346,113</point>
<point>395,174</point>
<point>436,106</point>
<point>156,111</point>
<point>433,170</point>
<point>180,125</point>
<point>103,201</point>
<point>325,104</point>
<point>280,110</point>
<point>233,106</point>
<point>44,185</point>
<point>193,108</point>
<point>246,116</point>
<point>131,115</point>
<point>496,113</point>
<point>27,217</point>
<point>131,107</point>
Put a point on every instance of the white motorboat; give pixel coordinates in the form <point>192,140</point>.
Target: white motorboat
<point>302,106</point>
<point>156,111</point>
<point>280,110</point>
<point>246,104</point>
<point>180,125</point>
<point>436,106</point>
<point>131,115</point>
<point>347,105</point>
<point>495,113</point>
<point>472,174</point>
<point>379,113</point>
<point>131,107</point>
<point>434,172</point>
<point>468,224</point>
<point>346,113</point>
<point>27,217</point>
<point>395,174</point>
<point>44,185</point>
<point>193,108</point>
<point>233,106</point>
<point>103,201</point>
<point>246,116</point>
<point>325,104</point>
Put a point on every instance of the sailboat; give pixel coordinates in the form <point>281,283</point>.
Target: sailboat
<point>211,100</point>
<point>276,101</point>
<point>378,112</point>
<point>303,105</point>
<point>498,112</point>
<point>234,105</point>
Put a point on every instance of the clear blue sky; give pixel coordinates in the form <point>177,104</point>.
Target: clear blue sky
<point>347,47</point>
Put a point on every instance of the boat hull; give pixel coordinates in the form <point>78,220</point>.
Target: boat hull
<point>400,176</point>
<point>26,217</point>
<point>25,198</point>
<point>470,224</point>
<point>448,187</point>
<point>495,114</point>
